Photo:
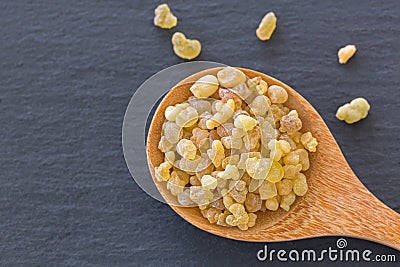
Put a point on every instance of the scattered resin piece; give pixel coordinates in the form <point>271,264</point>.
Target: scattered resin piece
<point>164,18</point>
<point>267,26</point>
<point>354,111</point>
<point>345,53</point>
<point>185,48</point>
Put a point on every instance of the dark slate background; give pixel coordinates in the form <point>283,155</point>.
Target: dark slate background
<point>69,68</point>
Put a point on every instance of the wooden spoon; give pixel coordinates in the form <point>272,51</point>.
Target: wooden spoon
<point>337,203</point>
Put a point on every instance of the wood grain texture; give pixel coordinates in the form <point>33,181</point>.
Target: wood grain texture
<point>337,202</point>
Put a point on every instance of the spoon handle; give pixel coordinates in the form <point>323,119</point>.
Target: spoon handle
<point>349,209</point>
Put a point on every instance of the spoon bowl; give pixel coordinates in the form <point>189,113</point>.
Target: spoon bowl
<point>337,203</point>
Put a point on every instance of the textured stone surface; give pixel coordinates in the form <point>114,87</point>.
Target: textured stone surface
<point>69,68</point>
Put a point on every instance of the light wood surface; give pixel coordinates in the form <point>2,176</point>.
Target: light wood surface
<point>337,203</point>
